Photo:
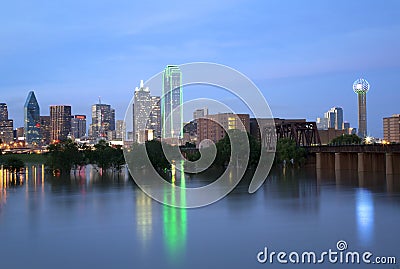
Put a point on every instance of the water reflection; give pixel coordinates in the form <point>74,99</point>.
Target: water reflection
<point>175,219</point>
<point>144,217</point>
<point>364,215</point>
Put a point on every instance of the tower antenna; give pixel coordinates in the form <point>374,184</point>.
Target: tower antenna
<point>99,100</point>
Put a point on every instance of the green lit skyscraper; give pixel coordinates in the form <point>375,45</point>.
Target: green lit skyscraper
<point>32,119</point>
<point>171,105</point>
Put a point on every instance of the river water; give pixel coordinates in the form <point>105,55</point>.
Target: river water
<point>98,221</point>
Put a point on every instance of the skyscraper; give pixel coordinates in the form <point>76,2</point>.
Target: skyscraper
<point>45,131</point>
<point>103,120</point>
<point>171,104</point>
<point>142,108</point>
<point>334,117</point>
<point>155,116</point>
<point>361,87</point>
<point>78,126</point>
<point>120,130</point>
<point>60,122</point>
<point>6,125</point>
<point>32,119</point>
<point>3,111</point>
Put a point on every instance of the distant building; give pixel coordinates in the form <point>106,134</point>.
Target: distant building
<point>6,125</point>
<point>200,113</point>
<point>142,109</point>
<point>322,123</point>
<point>334,117</point>
<point>120,130</point>
<point>103,120</point>
<point>78,126</point>
<point>155,116</point>
<point>3,111</point>
<point>326,136</point>
<point>171,105</point>
<point>111,135</point>
<point>20,134</point>
<point>32,119</point>
<point>391,128</point>
<point>45,129</point>
<point>60,122</point>
<point>213,127</point>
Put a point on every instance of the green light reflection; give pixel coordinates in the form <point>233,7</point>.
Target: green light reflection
<point>175,219</point>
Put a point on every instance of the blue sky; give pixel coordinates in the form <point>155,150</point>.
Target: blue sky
<point>303,55</point>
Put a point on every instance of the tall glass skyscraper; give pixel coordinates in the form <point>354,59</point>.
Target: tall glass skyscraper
<point>32,119</point>
<point>171,104</point>
<point>335,118</point>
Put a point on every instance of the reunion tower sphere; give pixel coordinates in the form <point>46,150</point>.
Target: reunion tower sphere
<point>360,86</point>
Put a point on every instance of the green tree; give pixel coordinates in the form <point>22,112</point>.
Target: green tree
<point>287,152</point>
<point>13,164</point>
<point>102,155</point>
<point>346,139</point>
<point>224,149</point>
<point>63,156</point>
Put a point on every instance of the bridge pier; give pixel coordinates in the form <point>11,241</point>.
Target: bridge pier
<point>345,161</point>
<point>325,160</point>
<point>392,163</point>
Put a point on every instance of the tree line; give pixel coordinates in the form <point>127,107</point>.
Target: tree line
<point>67,155</point>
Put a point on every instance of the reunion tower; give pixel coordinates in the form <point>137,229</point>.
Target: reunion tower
<point>361,87</point>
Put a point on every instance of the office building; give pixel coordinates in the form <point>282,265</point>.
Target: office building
<point>20,134</point>
<point>213,127</point>
<point>334,118</point>
<point>141,111</point>
<point>78,126</point>
<point>103,120</point>
<point>60,122</point>
<point>45,129</point>
<point>155,116</point>
<point>32,119</point>
<point>171,105</point>
<point>322,123</point>
<point>120,130</point>
<point>200,113</point>
<point>6,125</point>
<point>391,128</point>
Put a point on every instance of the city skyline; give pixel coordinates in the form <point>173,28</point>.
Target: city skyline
<point>114,51</point>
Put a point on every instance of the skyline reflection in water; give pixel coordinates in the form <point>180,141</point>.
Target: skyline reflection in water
<point>91,220</point>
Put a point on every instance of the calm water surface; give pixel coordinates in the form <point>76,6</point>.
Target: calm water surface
<point>93,221</point>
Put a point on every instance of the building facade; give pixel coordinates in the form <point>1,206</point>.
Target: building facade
<point>155,116</point>
<point>334,118</point>
<point>78,126</point>
<point>6,125</point>
<point>45,131</point>
<point>120,130</point>
<point>200,113</point>
<point>142,109</point>
<point>171,105</point>
<point>103,120</point>
<point>214,127</point>
<point>391,128</point>
<point>60,122</point>
<point>32,119</point>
